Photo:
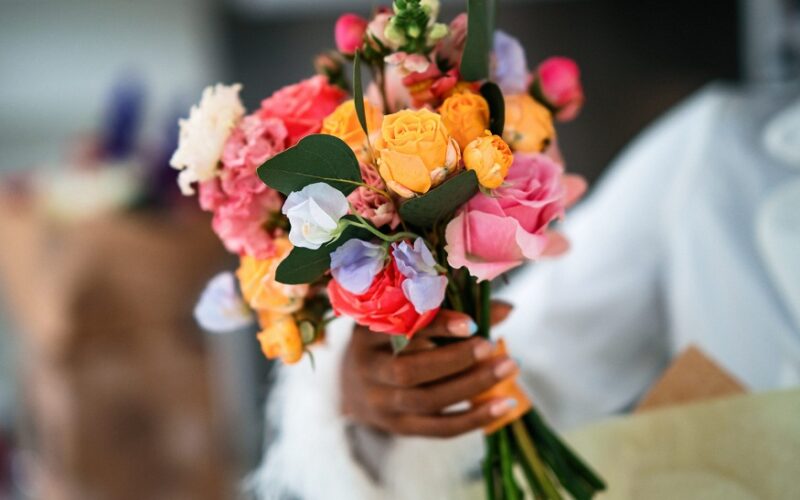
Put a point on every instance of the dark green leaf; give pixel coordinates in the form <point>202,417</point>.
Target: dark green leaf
<point>497,107</point>
<point>358,93</point>
<point>399,342</point>
<point>440,202</point>
<point>475,61</point>
<point>316,158</point>
<point>304,265</point>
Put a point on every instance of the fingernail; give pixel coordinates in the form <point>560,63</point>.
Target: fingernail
<point>483,350</point>
<point>505,369</point>
<point>502,407</point>
<point>462,327</point>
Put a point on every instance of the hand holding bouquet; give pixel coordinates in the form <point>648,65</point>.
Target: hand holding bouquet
<point>389,206</point>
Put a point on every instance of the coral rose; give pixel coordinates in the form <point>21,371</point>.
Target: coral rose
<point>466,116</point>
<point>343,123</point>
<point>303,106</point>
<point>415,152</point>
<point>490,157</point>
<point>384,307</point>
<point>280,337</point>
<point>493,234</point>
<point>260,288</point>
<point>528,126</point>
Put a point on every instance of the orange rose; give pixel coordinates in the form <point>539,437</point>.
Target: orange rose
<point>490,157</point>
<point>415,152</point>
<point>343,123</point>
<point>466,116</point>
<point>259,287</point>
<point>529,125</point>
<point>280,337</point>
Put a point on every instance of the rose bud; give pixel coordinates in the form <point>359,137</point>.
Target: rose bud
<point>528,124</point>
<point>349,33</point>
<point>466,116</point>
<point>558,83</point>
<point>490,157</point>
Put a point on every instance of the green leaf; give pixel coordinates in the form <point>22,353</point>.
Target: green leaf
<point>316,158</point>
<point>358,93</point>
<point>440,202</point>
<point>497,107</point>
<point>399,342</point>
<point>304,265</point>
<point>475,61</point>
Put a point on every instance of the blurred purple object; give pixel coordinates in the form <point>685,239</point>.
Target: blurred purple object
<point>123,118</point>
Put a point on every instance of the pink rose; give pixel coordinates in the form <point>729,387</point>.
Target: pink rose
<point>371,205</point>
<point>558,80</point>
<point>242,204</point>
<point>303,106</point>
<point>349,33</point>
<point>493,234</point>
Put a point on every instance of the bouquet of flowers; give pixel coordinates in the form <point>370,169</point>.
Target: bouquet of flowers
<point>396,202</point>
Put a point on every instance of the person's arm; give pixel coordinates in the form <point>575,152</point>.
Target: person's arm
<point>590,329</point>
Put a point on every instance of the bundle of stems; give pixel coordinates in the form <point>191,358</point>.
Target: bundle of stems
<point>530,446</point>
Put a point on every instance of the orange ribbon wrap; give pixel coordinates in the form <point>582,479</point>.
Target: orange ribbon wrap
<point>508,388</point>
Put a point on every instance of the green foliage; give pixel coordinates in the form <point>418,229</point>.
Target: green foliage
<point>475,61</point>
<point>316,158</point>
<point>440,202</point>
<point>358,94</point>
<point>399,342</point>
<point>497,107</point>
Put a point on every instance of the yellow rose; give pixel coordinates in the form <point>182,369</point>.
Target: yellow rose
<point>415,152</point>
<point>529,125</point>
<point>490,157</point>
<point>343,123</point>
<point>466,116</point>
<point>280,337</point>
<point>259,287</point>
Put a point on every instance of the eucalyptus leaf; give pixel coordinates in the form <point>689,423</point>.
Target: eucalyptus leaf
<point>304,265</point>
<point>440,202</point>
<point>399,342</point>
<point>475,61</point>
<point>316,158</point>
<point>497,107</point>
<point>358,93</point>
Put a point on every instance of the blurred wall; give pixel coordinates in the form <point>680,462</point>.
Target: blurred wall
<point>59,58</point>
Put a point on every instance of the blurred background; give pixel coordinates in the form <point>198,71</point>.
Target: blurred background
<point>104,379</point>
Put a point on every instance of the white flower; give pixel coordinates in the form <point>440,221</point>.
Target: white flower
<point>221,308</point>
<point>203,135</point>
<point>314,214</point>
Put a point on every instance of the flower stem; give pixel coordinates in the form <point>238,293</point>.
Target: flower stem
<point>532,458</point>
<point>484,309</point>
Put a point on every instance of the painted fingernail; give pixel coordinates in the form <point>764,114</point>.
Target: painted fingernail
<point>502,407</point>
<point>483,350</point>
<point>462,327</point>
<point>505,369</point>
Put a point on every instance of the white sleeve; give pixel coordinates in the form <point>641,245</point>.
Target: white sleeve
<point>589,328</point>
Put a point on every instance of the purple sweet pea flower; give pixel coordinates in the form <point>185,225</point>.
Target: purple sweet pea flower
<point>424,287</point>
<point>355,264</point>
<point>510,67</point>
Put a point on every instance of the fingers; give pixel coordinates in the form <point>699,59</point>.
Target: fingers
<point>427,366</point>
<point>434,398</point>
<point>575,187</point>
<point>448,424</point>
<point>499,311</point>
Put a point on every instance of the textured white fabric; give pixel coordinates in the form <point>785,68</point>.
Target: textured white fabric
<point>691,238</point>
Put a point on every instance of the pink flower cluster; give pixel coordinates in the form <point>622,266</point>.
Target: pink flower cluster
<point>371,205</point>
<point>244,207</point>
<point>494,234</point>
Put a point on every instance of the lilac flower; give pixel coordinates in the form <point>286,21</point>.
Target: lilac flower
<point>355,264</point>
<point>424,287</point>
<point>510,67</point>
<point>221,308</point>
